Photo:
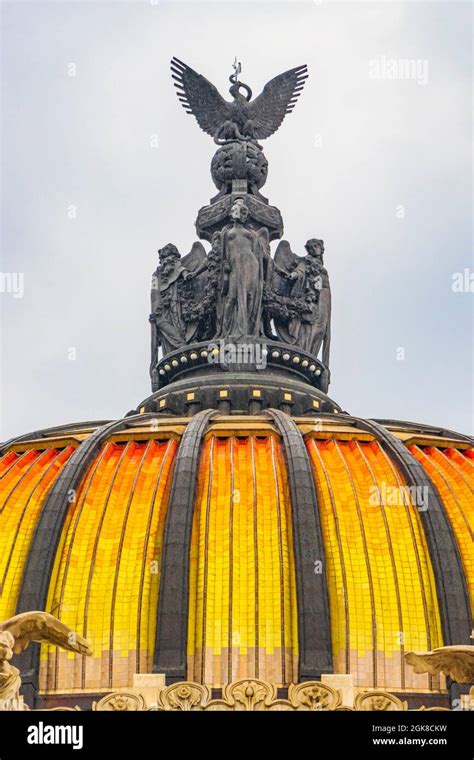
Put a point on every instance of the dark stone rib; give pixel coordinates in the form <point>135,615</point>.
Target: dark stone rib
<point>42,553</point>
<point>173,600</point>
<point>452,593</point>
<point>314,627</point>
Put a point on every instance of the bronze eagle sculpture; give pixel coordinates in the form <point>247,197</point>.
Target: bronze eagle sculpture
<point>15,635</point>
<point>41,626</point>
<point>242,118</point>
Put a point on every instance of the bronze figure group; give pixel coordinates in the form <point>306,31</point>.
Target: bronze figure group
<point>237,291</point>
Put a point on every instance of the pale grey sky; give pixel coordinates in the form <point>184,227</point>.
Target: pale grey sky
<point>354,151</point>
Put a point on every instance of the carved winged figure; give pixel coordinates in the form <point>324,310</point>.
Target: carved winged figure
<point>242,118</point>
<point>306,283</point>
<point>456,661</point>
<point>177,284</point>
<point>15,635</point>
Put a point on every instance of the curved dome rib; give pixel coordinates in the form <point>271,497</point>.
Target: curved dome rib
<point>172,619</point>
<point>453,475</point>
<point>453,597</point>
<point>374,549</point>
<point>314,627</point>
<point>103,582</point>
<point>39,565</point>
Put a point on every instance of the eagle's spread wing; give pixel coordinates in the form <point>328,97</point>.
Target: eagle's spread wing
<point>199,97</point>
<point>277,98</point>
<point>41,626</point>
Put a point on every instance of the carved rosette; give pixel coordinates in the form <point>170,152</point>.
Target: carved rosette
<point>313,695</point>
<point>184,696</point>
<point>121,701</point>
<point>378,700</point>
<point>248,695</point>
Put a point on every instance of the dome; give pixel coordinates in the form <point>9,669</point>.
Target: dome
<point>186,546</point>
<point>238,533</point>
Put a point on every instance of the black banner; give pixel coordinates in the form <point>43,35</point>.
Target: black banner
<point>136,734</point>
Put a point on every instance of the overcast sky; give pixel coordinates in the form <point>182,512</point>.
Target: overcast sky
<point>378,167</point>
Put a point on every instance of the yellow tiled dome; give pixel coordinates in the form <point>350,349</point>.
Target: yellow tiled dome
<point>105,577</point>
